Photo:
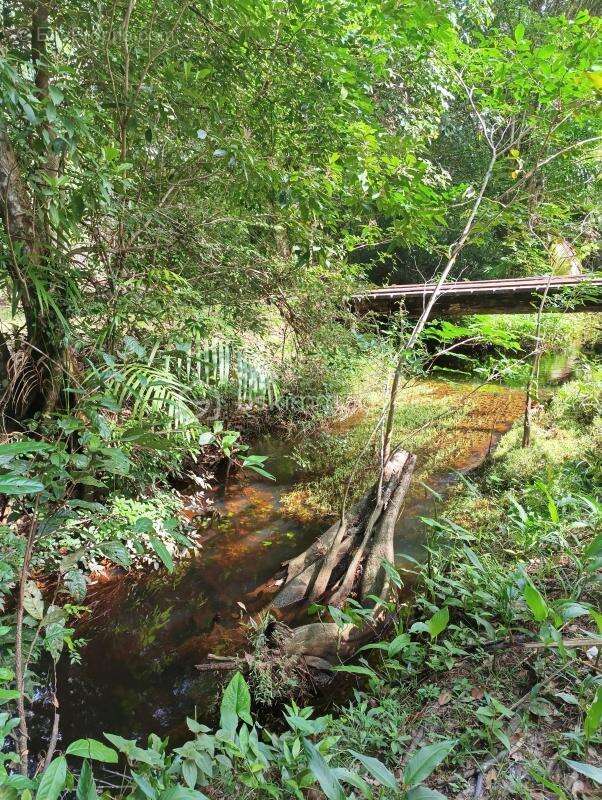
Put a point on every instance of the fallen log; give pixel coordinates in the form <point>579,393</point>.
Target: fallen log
<point>346,560</point>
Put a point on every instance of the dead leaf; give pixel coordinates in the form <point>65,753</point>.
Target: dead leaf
<point>490,778</point>
<point>577,788</point>
<point>444,698</point>
<point>477,693</point>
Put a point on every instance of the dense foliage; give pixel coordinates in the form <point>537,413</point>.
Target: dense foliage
<point>189,195</point>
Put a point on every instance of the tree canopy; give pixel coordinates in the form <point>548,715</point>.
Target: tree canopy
<point>166,167</point>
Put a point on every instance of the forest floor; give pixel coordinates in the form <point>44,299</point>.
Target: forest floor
<point>512,678</point>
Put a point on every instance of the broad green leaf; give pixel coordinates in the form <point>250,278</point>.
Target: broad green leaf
<point>92,748</point>
<point>422,763</point>
<point>355,669</point>
<point>162,552</point>
<point>398,644</point>
<point>17,486</point>
<point>424,793</point>
<point>144,786</point>
<point>86,786</point>
<point>32,601</point>
<point>593,718</point>
<point>189,772</point>
<point>53,780</point>
<point>129,747</point>
<point>378,770</point>
<point>6,674</point>
<point>589,770</point>
<point>144,525</point>
<point>75,583</point>
<point>353,779</point>
<point>117,553</point>
<point>329,783</point>
<point>236,703</point>
<point>196,727</point>
<point>7,695</point>
<point>182,793</point>
<point>438,622</point>
<point>22,448</point>
<point>539,607</point>
<point>594,548</point>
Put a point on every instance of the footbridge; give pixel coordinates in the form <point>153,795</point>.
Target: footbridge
<point>505,296</point>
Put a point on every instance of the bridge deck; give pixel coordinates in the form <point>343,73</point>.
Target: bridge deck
<point>505,296</point>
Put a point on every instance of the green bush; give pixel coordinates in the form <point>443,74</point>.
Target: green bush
<point>120,520</point>
<point>578,401</point>
<point>550,448</point>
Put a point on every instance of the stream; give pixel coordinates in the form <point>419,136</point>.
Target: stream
<point>144,638</point>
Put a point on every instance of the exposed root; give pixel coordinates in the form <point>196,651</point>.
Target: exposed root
<point>346,559</point>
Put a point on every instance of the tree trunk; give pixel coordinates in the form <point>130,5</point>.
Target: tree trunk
<point>31,367</point>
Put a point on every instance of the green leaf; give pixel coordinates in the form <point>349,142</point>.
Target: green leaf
<point>129,747</point>
<point>75,583</point>
<point>162,552</point>
<point>236,702</point>
<point>144,786</point>
<point>398,644</point>
<point>117,553</point>
<point>355,669</point>
<point>196,727</point>
<point>16,486</point>
<point>32,601</point>
<point>56,95</point>
<point>189,772</point>
<point>353,779</point>
<point>7,695</point>
<point>53,780</point>
<point>595,773</point>
<point>22,448</point>
<point>539,607</point>
<point>594,548</point>
<point>92,748</point>
<point>422,763</point>
<point>325,776</point>
<point>438,622</point>
<point>519,32</point>
<point>143,525</point>
<point>182,793</point>
<point>424,793</point>
<point>593,718</point>
<point>378,770</point>
<point>86,786</point>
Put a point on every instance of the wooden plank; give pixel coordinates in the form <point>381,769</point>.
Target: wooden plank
<point>503,296</point>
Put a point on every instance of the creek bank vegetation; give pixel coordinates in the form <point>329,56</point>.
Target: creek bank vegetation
<point>188,197</point>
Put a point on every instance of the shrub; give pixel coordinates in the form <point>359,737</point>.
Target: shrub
<point>550,447</point>
<point>578,401</point>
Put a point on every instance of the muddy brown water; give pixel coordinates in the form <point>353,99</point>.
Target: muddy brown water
<point>137,672</point>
